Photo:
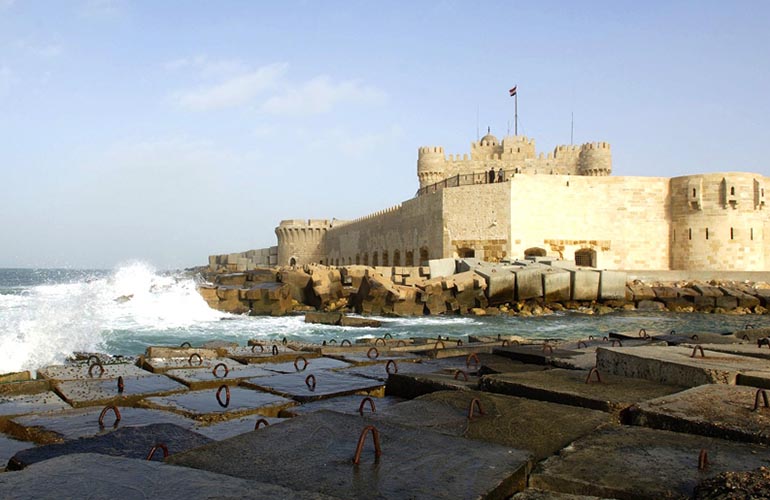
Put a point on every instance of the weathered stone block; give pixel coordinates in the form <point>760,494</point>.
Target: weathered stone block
<point>529,283</point>
<point>556,285</point>
<point>612,285</point>
<point>585,284</point>
<point>501,284</point>
<point>441,267</point>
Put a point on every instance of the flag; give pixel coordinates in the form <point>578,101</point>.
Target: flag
<point>513,91</point>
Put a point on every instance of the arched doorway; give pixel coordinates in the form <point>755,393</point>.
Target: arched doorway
<point>585,257</point>
<point>292,262</point>
<point>535,252</point>
<point>466,253</point>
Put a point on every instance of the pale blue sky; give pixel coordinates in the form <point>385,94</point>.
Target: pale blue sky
<point>169,130</point>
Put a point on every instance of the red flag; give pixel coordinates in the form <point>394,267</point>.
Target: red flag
<point>513,91</point>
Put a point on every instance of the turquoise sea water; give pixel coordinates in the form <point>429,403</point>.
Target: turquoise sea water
<point>47,314</point>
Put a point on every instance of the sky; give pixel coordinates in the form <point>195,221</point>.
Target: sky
<point>165,131</point>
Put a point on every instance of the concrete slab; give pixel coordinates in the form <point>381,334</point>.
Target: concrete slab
<point>234,427</point>
<point>43,402</point>
<point>81,371</point>
<point>638,463</point>
<point>699,338</point>
<point>535,494</point>
<point>378,355</point>
<point>20,387</point>
<point>92,392</point>
<point>410,386</point>
<point>441,267</point>
<point>614,394</point>
<point>750,350</point>
<point>316,452</point>
<point>380,371</point>
<point>90,475</point>
<point>327,384</point>
<point>492,363</point>
<point>313,365</point>
<point>206,406</point>
<point>180,352</point>
<point>556,285</point>
<point>501,284</point>
<point>539,427</point>
<point>529,282</point>
<point>130,442</point>
<point>9,447</point>
<point>535,354</point>
<point>585,284</point>
<point>263,353</point>
<point>342,404</point>
<point>161,365</point>
<point>723,411</point>
<point>56,427</point>
<point>206,379</point>
<point>754,379</point>
<point>612,285</point>
<point>673,365</point>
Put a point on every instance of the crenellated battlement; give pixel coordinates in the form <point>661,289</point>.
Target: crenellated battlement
<point>378,213</point>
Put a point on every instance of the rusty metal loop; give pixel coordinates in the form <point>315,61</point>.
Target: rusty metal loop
<point>91,369</point>
<point>121,385</point>
<point>387,336</point>
<point>371,405</point>
<point>214,371</point>
<point>388,364</point>
<point>304,363</point>
<point>400,343</point>
<point>695,350</point>
<point>384,343</point>
<point>372,350</point>
<point>694,337</point>
<point>439,341</point>
<point>763,393</point>
<point>748,326</point>
<point>333,341</point>
<point>761,342</point>
<point>274,350</point>
<point>459,342</point>
<point>590,337</point>
<point>475,403</point>
<point>672,332</point>
<point>472,356</point>
<point>346,340</point>
<point>362,440</point>
<point>261,348</point>
<point>605,339</point>
<point>195,354</point>
<point>591,372</point>
<point>582,342</point>
<point>499,336</point>
<point>95,358</point>
<point>616,341</point>
<point>643,333</point>
<point>549,348</point>
<point>185,344</point>
<point>260,422</point>
<point>227,395</point>
<point>104,412</point>
<point>464,374</point>
<point>505,343</point>
<point>745,337</point>
<point>703,459</point>
<point>311,386</point>
<point>284,341</point>
<point>155,448</point>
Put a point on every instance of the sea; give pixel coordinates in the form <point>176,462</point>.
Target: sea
<point>46,315</point>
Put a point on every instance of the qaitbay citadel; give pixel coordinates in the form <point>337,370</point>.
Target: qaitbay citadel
<point>505,201</point>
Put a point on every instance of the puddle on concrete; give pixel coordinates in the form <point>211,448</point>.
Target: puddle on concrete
<point>82,392</point>
<point>313,364</point>
<point>234,427</point>
<point>204,403</point>
<point>327,384</point>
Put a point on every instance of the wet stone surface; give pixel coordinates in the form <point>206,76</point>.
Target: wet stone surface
<point>313,364</point>
<point>90,475</point>
<point>264,354</point>
<point>129,442</point>
<point>378,371</point>
<point>724,411</point>
<point>409,386</point>
<point>202,379</point>
<point>327,384</point>
<point>103,391</point>
<point>84,422</point>
<point>376,357</point>
<point>9,447</point>
<point>83,371</point>
<point>638,463</point>
<point>229,428</point>
<point>614,394</point>
<point>342,404</point>
<point>31,403</point>
<point>316,452</point>
<point>204,405</point>
<point>539,427</point>
<point>160,365</point>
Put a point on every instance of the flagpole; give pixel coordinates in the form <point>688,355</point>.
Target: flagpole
<point>516,113</point>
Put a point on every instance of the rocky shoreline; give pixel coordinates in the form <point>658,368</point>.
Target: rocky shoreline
<point>527,288</point>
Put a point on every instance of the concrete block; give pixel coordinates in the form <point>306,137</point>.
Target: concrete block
<point>556,285</point>
<point>674,365</point>
<point>501,284</point>
<point>326,384</point>
<point>636,462</point>
<point>726,302</point>
<point>585,284</point>
<point>8,448</point>
<point>30,403</point>
<point>612,285</point>
<point>81,371</point>
<point>313,364</point>
<point>529,283</point>
<point>707,290</point>
<point>343,404</point>
<point>316,453</point>
<point>641,291</point>
<point>205,406</point>
<point>212,379</point>
<point>130,442</point>
<point>92,392</point>
<point>466,264</point>
<point>439,268</point>
<point>716,410</point>
<point>412,385</point>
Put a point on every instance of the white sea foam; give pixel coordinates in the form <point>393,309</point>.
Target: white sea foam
<point>47,323</point>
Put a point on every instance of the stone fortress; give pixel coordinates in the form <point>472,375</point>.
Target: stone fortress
<point>562,205</point>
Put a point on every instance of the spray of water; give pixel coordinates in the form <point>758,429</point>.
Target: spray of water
<point>47,323</point>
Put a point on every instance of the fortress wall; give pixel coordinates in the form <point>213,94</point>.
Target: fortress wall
<point>625,220</point>
<point>720,221</point>
<point>410,229</point>
<point>300,240</point>
<point>476,221</point>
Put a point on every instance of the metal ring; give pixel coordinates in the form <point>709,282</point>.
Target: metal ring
<point>384,343</point>
<point>593,371</point>
<point>193,355</point>
<point>275,350</point>
<point>472,356</point>
<point>154,448</point>
<point>260,422</point>
<point>185,344</point>
<point>227,395</point>
<point>308,380</point>
<point>376,353</point>
<point>297,368</point>
<point>471,407</point>
<point>95,358</point>
<point>387,366</point>
<point>387,336</point>
<point>91,369</point>
<point>346,340</point>
<point>261,347</point>
<point>214,371</point>
<point>104,412</point>
<point>362,439</point>
<point>464,374</point>
<point>361,406</point>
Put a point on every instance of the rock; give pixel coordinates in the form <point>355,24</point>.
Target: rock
<point>477,311</point>
<point>650,305</point>
<point>323,318</point>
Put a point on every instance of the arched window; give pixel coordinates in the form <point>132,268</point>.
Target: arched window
<point>466,253</point>
<point>535,252</point>
<point>292,262</point>
<point>409,258</point>
<point>366,259</point>
<point>396,258</point>
<point>358,260</point>
<point>375,259</point>
<point>385,258</point>
<point>424,255</point>
<point>585,257</point>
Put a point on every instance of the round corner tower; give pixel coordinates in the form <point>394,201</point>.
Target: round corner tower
<point>595,159</point>
<point>301,241</point>
<point>431,166</point>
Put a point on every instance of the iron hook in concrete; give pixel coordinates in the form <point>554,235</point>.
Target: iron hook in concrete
<point>472,357</point>
<point>310,382</point>
<point>185,344</point>
<point>155,448</point>
<point>549,348</point>
<point>400,343</point>
<point>696,349</point>
<point>361,406</point>
<point>591,372</point>
<point>763,393</point>
<point>261,422</point>
<point>703,459</point>
<point>227,395</point>
<point>214,371</point>
<point>362,440</point>
<point>95,365</point>
<point>616,341</point>
<point>121,385</point>
<point>387,336</point>
<point>372,350</point>
<point>475,403</point>
<point>761,342</point>
<point>346,340</point>
<point>384,343</point>
<point>582,342</point>
<point>194,355</point>
<point>261,348</point>
<point>439,341</point>
<point>388,365</point>
<point>304,363</point>
<point>104,412</point>
<point>464,374</point>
